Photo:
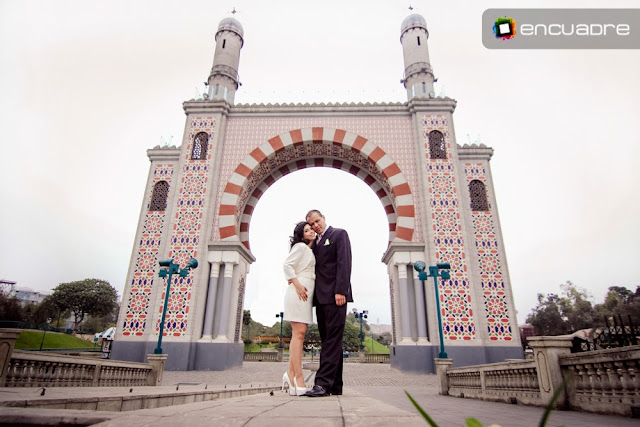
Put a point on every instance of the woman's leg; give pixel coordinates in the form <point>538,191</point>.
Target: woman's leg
<point>295,351</point>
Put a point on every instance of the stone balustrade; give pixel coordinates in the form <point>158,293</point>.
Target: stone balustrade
<point>604,381</point>
<point>375,358</point>
<point>601,381</point>
<point>511,381</point>
<point>27,369</point>
<point>261,356</point>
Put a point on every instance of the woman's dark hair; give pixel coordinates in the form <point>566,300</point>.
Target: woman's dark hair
<point>298,234</point>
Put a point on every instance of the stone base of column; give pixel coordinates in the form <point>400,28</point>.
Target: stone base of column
<point>414,358</point>
<point>216,356</point>
<point>157,361</point>
<point>441,369</point>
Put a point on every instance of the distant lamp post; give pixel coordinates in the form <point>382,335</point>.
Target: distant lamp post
<point>169,270</point>
<point>281,316</point>
<point>364,314</point>
<point>434,271</point>
<point>46,327</point>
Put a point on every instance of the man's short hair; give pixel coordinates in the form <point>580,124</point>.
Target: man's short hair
<point>312,211</point>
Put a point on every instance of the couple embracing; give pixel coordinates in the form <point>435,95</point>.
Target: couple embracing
<point>318,269</point>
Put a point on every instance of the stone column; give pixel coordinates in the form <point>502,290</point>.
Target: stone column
<point>157,363</point>
<point>214,276</point>
<point>405,314</point>
<point>8,339</point>
<point>442,365</point>
<point>223,321</point>
<point>421,312</point>
<point>546,353</point>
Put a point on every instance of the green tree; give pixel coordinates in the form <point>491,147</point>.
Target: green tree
<point>10,308</point>
<point>45,310</point>
<point>576,308</point>
<point>246,320</point>
<point>385,338</point>
<point>559,315</point>
<point>351,338</point>
<point>93,297</point>
<point>546,318</point>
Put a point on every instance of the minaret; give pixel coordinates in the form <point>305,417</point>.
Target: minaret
<point>223,80</point>
<point>418,74</point>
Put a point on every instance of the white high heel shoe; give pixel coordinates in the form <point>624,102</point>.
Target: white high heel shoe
<point>299,390</point>
<point>286,381</point>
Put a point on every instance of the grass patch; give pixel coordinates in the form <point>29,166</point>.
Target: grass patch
<point>32,339</point>
<point>377,347</point>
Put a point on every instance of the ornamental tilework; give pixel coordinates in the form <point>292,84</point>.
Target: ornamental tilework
<point>455,295</point>
<point>491,276</point>
<point>146,261</point>
<point>394,135</point>
<point>185,235</point>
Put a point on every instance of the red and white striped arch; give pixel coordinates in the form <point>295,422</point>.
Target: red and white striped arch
<point>315,147</point>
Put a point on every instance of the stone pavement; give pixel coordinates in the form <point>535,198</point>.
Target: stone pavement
<point>373,395</point>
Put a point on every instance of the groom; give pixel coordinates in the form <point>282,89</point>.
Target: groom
<point>332,292</point>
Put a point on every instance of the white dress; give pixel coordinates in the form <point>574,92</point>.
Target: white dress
<point>301,264</point>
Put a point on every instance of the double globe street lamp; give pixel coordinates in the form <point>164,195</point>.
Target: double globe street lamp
<point>281,316</point>
<point>364,314</point>
<point>169,270</point>
<point>434,271</point>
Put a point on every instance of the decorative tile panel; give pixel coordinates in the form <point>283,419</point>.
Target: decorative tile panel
<point>455,294</point>
<point>144,273</point>
<point>187,228</point>
<point>491,275</point>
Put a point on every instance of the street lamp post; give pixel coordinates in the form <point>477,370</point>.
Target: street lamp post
<point>170,270</point>
<point>434,271</point>
<point>281,316</point>
<point>46,327</point>
<point>364,314</point>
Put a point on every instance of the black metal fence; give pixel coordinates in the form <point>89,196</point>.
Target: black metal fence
<point>614,334</point>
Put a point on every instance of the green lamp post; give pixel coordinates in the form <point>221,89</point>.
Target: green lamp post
<point>364,314</point>
<point>281,316</point>
<point>169,270</point>
<point>434,271</point>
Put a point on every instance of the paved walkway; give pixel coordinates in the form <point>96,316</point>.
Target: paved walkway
<point>373,396</point>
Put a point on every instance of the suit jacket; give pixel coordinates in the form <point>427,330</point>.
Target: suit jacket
<point>333,266</point>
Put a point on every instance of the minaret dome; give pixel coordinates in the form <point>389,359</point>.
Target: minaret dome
<point>223,80</point>
<point>418,75</point>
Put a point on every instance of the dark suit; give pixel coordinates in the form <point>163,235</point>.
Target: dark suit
<point>333,276</point>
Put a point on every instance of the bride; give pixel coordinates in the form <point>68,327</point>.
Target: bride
<point>299,269</point>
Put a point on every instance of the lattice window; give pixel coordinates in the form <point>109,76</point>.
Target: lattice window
<point>437,148</point>
<point>159,196</point>
<point>478,196</point>
<point>200,146</point>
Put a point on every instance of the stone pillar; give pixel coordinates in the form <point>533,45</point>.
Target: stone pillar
<point>8,339</point>
<point>421,311</point>
<point>546,353</point>
<point>280,357</point>
<point>405,314</point>
<point>225,303</point>
<point>157,363</point>
<point>214,276</point>
<point>442,365</point>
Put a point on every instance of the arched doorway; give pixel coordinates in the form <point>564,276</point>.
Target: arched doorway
<point>315,147</point>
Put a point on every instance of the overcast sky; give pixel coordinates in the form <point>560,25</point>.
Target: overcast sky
<point>87,87</point>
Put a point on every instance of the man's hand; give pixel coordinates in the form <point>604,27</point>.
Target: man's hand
<point>340,300</point>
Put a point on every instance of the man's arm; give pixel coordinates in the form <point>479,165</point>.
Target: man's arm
<point>343,267</point>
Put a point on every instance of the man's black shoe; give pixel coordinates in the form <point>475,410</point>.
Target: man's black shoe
<point>316,391</point>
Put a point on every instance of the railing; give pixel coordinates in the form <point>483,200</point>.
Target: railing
<point>375,358</point>
<point>513,381</point>
<point>603,381</point>
<point>260,356</point>
<point>28,369</point>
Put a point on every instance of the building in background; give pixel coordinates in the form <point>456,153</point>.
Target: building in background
<point>438,197</point>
